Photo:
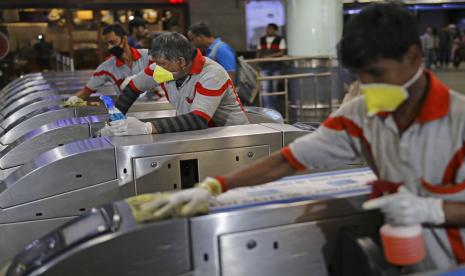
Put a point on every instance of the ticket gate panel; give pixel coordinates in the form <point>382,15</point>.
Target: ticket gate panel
<point>38,215</point>
<point>45,182</point>
<point>61,170</point>
<point>162,173</point>
<point>41,117</point>
<point>26,101</point>
<point>44,138</point>
<point>232,137</point>
<point>51,102</point>
<point>289,227</point>
<point>10,105</point>
<point>7,98</point>
<point>105,90</point>
<point>57,134</point>
<point>169,242</point>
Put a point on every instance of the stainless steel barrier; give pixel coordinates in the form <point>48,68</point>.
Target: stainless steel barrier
<point>305,93</point>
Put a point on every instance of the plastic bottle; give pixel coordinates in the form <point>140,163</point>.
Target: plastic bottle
<point>115,114</point>
<point>403,245</point>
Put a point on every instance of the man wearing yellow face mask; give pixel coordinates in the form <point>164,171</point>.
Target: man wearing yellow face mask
<point>407,125</point>
<point>199,88</point>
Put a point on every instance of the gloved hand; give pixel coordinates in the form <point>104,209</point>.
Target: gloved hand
<point>179,204</point>
<point>405,208</point>
<point>74,101</point>
<point>105,131</point>
<point>130,126</point>
<point>140,214</point>
<point>4,269</point>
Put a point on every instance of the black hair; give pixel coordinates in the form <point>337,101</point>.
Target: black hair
<point>171,46</point>
<point>200,29</point>
<point>384,30</point>
<point>115,28</point>
<point>135,23</point>
<point>273,25</point>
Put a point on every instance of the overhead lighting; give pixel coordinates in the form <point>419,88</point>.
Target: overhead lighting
<point>131,17</point>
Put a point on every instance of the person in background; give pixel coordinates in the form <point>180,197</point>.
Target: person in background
<point>427,41</point>
<point>43,51</point>
<point>455,49</point>
<point>138,33</point>
<point>201,37</point>
<point>271,45</point>
<point>435,48</point>
<point>170,21</point>
<point>408,126</point>
<point>445,44</point>
<point>124,62</point>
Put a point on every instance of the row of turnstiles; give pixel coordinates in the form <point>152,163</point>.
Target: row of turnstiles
<point>55,174</point>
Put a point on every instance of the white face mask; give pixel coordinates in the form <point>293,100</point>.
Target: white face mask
<point>382,97</point>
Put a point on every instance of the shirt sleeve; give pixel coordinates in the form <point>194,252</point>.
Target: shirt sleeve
<point>209,92</point>
<point>333,144</point>
<point>99,78</point>
<point>144,81</point>
<point>226,58</point>
<point>282,44</point>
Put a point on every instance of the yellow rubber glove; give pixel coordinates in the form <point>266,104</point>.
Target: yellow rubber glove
<point>140,214</point>
<point>189,202</point>
<point>74,101</point>
<point>4,269</point>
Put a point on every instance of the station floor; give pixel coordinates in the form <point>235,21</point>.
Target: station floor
<point>454,78</point>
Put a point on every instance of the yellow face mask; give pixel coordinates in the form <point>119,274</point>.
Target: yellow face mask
<point>161,75</point>
<point>381,97</point>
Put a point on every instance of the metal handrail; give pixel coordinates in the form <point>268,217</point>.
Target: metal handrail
<point>286,79</point>
<point>285,58</point>
<point>295,76</point>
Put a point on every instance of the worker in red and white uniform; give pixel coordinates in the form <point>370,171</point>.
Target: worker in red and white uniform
<point>124,63</point>
<point>198,87</point>
<point>407,125</point>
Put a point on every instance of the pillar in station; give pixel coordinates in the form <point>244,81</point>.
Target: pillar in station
<point>314,27</point>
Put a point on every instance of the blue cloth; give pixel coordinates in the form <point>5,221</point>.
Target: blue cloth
<point>225,55</point>
<point>134,43</point>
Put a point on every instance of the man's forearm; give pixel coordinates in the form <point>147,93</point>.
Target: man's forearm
<point>184,122</point>
<point>265,170</point>
<point>455,213</point>
<point>126,99</point>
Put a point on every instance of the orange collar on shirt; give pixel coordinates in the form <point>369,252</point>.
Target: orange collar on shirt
<point>135,56</point>
<point>437,101</point>
<point>436,104</point>
<point>198,63</point>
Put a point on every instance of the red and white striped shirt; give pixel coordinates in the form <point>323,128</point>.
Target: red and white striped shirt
<point>207,92</point>
<point>113,70</point>
<point>427,158</point>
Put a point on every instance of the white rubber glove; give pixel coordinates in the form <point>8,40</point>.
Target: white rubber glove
<point>104,131</point>
<point>130,126</point>
<point>405,208</point>
<point>74,101</point>
<point>184,203</point>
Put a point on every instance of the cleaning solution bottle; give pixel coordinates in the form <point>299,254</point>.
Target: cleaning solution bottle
<point>403,245</point>
<point>115,114</point>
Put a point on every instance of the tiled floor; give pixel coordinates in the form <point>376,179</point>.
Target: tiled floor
<point>454,78</point>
